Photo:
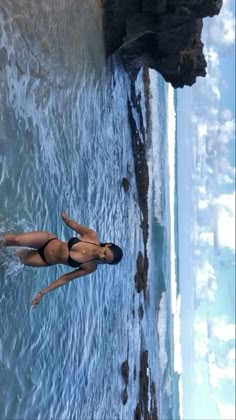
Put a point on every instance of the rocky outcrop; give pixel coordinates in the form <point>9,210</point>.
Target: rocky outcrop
<point>161,34</point>
<point>125,184</point>
<point>146,407</point>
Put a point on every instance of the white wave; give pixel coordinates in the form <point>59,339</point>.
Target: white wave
<point>171,131</point>
<point>175,300</point>
<point>168,389</point>
<point>177,335</point>
<point>161,328</point>
<point>154,160</point>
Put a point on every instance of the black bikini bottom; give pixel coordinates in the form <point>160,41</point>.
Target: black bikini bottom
<point>42,249</point>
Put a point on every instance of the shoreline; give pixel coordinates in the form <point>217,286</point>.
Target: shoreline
<point>146,405</point>
<point>139,124</point>
<point>138,139</point>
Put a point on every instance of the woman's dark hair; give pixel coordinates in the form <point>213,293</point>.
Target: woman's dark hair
<point>116,251</point>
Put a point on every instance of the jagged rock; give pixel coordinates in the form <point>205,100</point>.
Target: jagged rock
<point>169,44</point>
<point>200,8</point>
<point>164,35</point>
<point>140,312</point>
<point>125,184</point>
<point>125,371</point>
<point>140,278</point>
<point>124,396</point>
<point>3,58</point>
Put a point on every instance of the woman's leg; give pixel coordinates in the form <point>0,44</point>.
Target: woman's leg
<point>31,240</point>
<point>31,258</point>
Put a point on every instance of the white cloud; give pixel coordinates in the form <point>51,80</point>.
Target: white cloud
<point>226,229</point>
<point>226,411</point>
<point>226,220</point>
<point>226,130</point>
<point>224,179</point>
<point>205,283</point>
<point>227,201</point>
<point>229,127</point>
<point>225,114</point>
<point>202,190</point>
<point>219,373</point>
<point>224,169</point>
<point>202,130</point>
<point>207,237</point>
<point>222,329</point>
<point>200,379</point>
<point>221,361</point>
<point>221,29</point>
<point>231,356</point>
<point>203,204</point>
<point>214,130</point>
<point>212,56</point>
<point>200,337</point>
<point>213,124</point>
<point>215,90</point>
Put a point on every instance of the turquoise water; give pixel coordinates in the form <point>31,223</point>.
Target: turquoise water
<point>65,145</point>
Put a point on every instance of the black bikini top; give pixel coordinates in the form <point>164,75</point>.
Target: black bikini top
<point>70,261</point>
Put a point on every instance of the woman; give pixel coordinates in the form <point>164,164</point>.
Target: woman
<point>83,254</point>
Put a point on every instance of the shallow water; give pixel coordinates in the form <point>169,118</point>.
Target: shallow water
<point>65,145</point>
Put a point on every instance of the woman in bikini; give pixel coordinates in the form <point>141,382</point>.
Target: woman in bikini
<point>83,254</point>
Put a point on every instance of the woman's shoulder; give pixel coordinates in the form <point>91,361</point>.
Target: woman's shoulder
<point>89,267</point>
<point>91,237</point>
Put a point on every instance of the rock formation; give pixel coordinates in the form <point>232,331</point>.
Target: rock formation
<point>161,34</point>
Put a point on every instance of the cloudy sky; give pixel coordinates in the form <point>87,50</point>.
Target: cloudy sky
<point>206,116</point>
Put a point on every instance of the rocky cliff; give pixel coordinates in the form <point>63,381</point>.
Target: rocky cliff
<point>161,34</point>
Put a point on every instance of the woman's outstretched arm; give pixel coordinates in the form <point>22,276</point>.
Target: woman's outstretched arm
<point>64,279</point>
<point>82,230</point>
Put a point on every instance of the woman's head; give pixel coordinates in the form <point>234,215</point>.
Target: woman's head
<point>112,254</point>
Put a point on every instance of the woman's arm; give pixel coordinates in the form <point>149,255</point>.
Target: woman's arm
<point>64,279</point>
<point>82,230</point>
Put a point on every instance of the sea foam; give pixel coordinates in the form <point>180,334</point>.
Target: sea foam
<point>154,158</point>
<point>161,328</point>
<point>171,139</point>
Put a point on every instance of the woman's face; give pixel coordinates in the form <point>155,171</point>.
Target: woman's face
<point>105,254</point>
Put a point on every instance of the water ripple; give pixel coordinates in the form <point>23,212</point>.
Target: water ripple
<point>67,147</point>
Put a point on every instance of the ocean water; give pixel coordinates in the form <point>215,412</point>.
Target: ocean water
<point>163,205</point>
<point>65,145</point>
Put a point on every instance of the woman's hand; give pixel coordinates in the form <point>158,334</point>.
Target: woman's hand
<point>36,300</point>
<point>64,216</point>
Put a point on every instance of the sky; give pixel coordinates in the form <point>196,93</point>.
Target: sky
<point>206,117</point>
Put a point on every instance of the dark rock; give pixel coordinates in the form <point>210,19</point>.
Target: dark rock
<point>153,401</point>
<point>124,396</point>
<point>142,181</point>
<point>140,312</point>
<point>144,383</point>
<point>125,371</point>
<point>140,278</point>
<point>169,44</point>
<point>143,409</point>
<point>125,184</point>
<point>138,412</point>
<point>164,35</point>
<point>3,58</point>
<point>199,8</point>
<point>140,160</point>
